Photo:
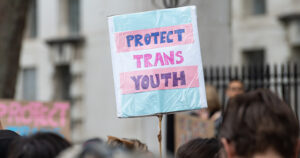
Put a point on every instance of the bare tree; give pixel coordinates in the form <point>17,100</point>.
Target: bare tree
<point>13,14</point>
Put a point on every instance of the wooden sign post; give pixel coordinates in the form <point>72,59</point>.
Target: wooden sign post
<point>159,136</point>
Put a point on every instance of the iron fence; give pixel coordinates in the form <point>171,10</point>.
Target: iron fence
<point>283,79</point>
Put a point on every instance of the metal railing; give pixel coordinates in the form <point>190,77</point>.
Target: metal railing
<point>282,79</point>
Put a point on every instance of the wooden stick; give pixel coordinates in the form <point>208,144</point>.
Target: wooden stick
<point>160,116</point>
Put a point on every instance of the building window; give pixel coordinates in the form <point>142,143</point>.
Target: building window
<point>259,7</point>
<point>31,26</point>
<point>254,57</point>
<point>298,27</point>
<point>62,82</point>
<point>29,84</point>
<point>69,18</point>
<point>254,7</point>
<point>74,16</point>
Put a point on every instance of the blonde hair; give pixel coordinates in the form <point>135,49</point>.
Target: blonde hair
<point>213,102</point>
<point>130,144</point>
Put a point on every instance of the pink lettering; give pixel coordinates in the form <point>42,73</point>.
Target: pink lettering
<point>159,58</point>
<point>147,57</point>
<point>35,114</point>
<point>169,58</point>
<point>64,107</point>
<point>51,117</point>
<point>13,112</point>
<point>181,59</point>
<point>41,119</point>
<point>138,60</point>
<point>3,110</point>
<point>22,115</point>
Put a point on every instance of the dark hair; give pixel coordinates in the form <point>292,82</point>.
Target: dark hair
<point>113,148</point>
<point>96,149</point>
<point>199,148</point>
<point>6,138</point>
<point>260,120</point>
<point>39,145</point>
<point>93,141</point>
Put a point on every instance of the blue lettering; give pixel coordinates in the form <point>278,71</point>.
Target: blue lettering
<point>137,40</point>
<point>168,37</point>
<point>129,38</point>
<point>155,35</point>
<point>179,33</point>
<point>162,37</point>
<point>147,39</point>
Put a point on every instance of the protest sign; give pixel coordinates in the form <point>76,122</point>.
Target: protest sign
<point>190,127</point>
<point>156,62</point>
<point>30,117</point>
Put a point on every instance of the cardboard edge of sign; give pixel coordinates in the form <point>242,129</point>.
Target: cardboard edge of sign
<point>111,16</point>
<point>157,114</point>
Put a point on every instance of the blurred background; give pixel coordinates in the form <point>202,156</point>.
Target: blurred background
<point>66,56</point>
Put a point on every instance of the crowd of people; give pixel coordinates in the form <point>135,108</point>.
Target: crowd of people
<point>256,124</point>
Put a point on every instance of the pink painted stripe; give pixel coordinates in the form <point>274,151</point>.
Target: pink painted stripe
<point>128,84</point>
<point>187,38</point>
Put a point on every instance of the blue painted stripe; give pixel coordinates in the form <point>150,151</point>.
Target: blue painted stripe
<point>26,130</point>
<point>152,19</point>
<point>162,101</point>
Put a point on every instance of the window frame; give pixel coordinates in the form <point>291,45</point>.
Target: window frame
<point>33,82</point>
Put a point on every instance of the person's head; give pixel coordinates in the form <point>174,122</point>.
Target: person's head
<point>96,148</point>
<point>128,144</point>
<point>213,103</point>
<point>6,138</point>
<point>234,87</point>
<point>45,145</point>
<point>93,141</point>
<point>259,124</point>
<point>200,148</point>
